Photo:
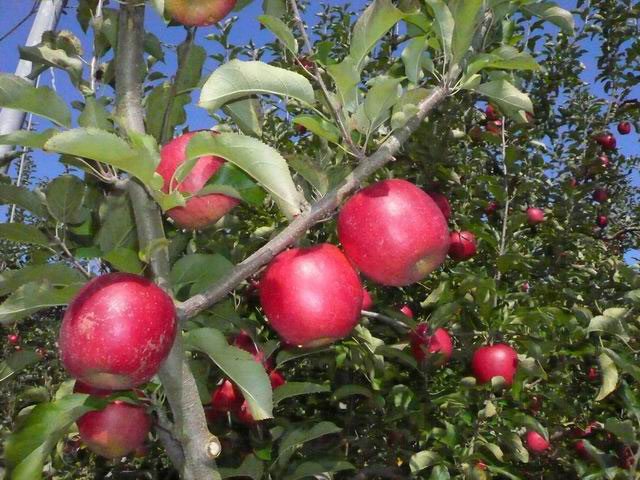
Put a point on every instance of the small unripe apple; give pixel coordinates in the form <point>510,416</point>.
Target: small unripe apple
<point>462,245</point>
<point>226,397</point>
<point>198,13</point>
<point>534,216</point>
<point>603,160</point>
<point>493,361</point>
<point>367,301</point>
<point>198,211</point>
<point>13,339</point>
<point>276,379</point>
<point>491,113</point>
<point>311,296</point>
<point>117,331</point>
<point>602,221</point>
<point>393,232</point>
<point>439,342</point>
<point>117,430</point>
<point>606,141</point>
<point>600,195</point>
<point>536,443</point>
<point>624,128</point>
<point>442,202</point>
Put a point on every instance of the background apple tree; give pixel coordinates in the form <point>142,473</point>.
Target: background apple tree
<point>481,101</point>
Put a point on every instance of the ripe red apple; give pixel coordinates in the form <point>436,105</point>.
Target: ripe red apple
<point>581,450</point>
<point>422,342</point>
<point>17,348</point>
<point>535,216</point>
<point>586,431</point>
<point>117,430</point>
<point>406,310</point>
<point>494,360</point>
<point>13,339</point>
<point>226,397</point>
<point>442,202</point>
<point>462,246</point>
<point>199,211</point>
<point>606,140</point>
<point>491,113</point>
<point>535,404</point>
<point>524,287</point>
<point>311,296</point>
<point>276,379</point>
<point>491,208</point>
<point>602,221</point>
<point>244,341</point>
<point>626,457</point>
<point>198,13</point>
<point>573,183</point>
<point>536,443</point>
<point>243,415</point>
<point>300,129</point>
<point>624,128</point>
<point>600,195</point>
<point>593,375</point>
<point>367,301</point>
<point>603,160</point>
<point>393,232</point>
<point>494,127</point>
<point>117,331</point>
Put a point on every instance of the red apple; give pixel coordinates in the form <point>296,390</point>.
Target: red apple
<point>367,301</point>
<point>491,113</point>
<point>593,375</point>
<point>199,211</point>
<point>442,202</point>
<point>536,442</point>
<point>226,397</point>
<point>462,246</point>
<point>494,127</point>
<point>525,287</point>
<point>13,339</point>
<point>393,232</point>
<point>603,160</point>
<point>600,195</point>
<point>573,183</point>
<point>117,430</point>
<point>586,431</point>
<point>493,361</point>
<point>606,141</point>
<point>530,117</point>
<point>535,216</point>
<point>17,348</point>
<point>311,296</point>
<point>535,404</point>
<point>491,208</point>
<point>244,341</point>
<point>581,450</point>
<point>276,379</point>
<point>422,342</point>
<point>198,13</point>
<point>117,331</point>
<point>406,310</point>
<point>300,129</point>
<point>602,221</point>
<point>624,128</point>
<point>625,457</point>
<point>243,415</point>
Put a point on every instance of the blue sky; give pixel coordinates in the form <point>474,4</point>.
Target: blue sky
<point>246,29</point>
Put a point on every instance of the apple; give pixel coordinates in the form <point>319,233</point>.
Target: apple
<point>581,450</point>
<point>585,432</point>
<point>462,245</point>
<point>475,133</point>
<point>311,296</point>
<point>393,232</point>
<point>606,140</point>
<point>535,216</point>
<point>17,348</point>
<point>406,310</point>
<point>530,117</point>
<point>442,202</point>
<point>494,127</point>
<point>198,211</point>
<point>300,129</point>
<point>243,415</point>
<point>626,457</point>
<point>276,378</point>
<point>624,128</point>
<point>117,430</point>
<point>226,397</point>
<point>524,287</point>
<point>573,183</point>
<point>198,13</point>
<point>536,443</point>
<point>13,339</point>
<point>535,404</point>
<point>603,160</point>
<point>244,341</point>
<point>593,375</point>
<point>491,113</point>
<point>439,342</point>
<point>117,331</point>
<point>367,301</point>
<point>491,208</point>
<point>602,221</point>
<point>600,195</point>
<point>493,361</point>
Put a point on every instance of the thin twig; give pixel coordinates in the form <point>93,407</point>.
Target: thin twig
<point>385,319</point>
<point>505,216</point>
<point>97,17</point>
<point>21,22</point>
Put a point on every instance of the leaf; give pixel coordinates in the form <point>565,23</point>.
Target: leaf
<point>34,296</point>
<point>319,126</point>
<point>421,460</point>
<point>345,391</point>
<point>549,11</point>
<point>23,198</point>
<point>27,449</point>
<point>299,435</point>
<point>465,16</point>
<point>58,275</point>
<point>124,260</point>
<point>238,79</point>
<point>495,450</point>
<point>609,375</point>
<point>17,361</point>
<point>375,21</point>
<point>65,195</point>
<point>294,389</point>
<point>444,23</point>
<point>19,94</point>
<point>118,227</point>
<point>22,233</point>
<point>247,114</point>
<point>259,160</point>
<point>514,443</point>
<point>623,429</point>
<point>232,181</point>
<point>237,365</point>
<point>94,115</point>
<point>379,100</point>
<point>611,322</point>
<point>407,106</point>
<point>280,30</point>
<point>251,467</point>
<point>346,76</point>
<point>412,58</point>
<point>503,91</point>
<point>504,57</point>
<point>439,472</point>
<point>200,270</point>
<point>318,469</point>
<point>28,138</point>
<point>275,8</point>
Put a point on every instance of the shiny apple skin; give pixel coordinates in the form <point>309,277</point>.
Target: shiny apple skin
<point>535,216</point>
<point>198,13</point>
<point>439,342</point>
<point>442,202</point>
<point>462,245</point>
<point>536,443</point>
<point>494,360</point>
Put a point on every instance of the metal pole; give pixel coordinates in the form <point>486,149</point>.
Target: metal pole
<point>46,19</point>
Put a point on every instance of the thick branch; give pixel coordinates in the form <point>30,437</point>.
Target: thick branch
<point>322,209</point>
<point>195,461</point>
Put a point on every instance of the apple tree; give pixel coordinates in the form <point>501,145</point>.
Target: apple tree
<point>396,252</point>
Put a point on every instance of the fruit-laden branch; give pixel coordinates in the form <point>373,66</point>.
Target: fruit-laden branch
<point>195,449</point>
<point>323,208</point>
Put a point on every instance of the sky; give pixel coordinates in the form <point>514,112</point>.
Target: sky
<point>247,28</point>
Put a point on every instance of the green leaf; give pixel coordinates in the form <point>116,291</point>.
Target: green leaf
<point>609,375</point>
<point>57,274</point>
<point>611,322</point>
<point>19,94</point>
<point>94,115</point>
<point>237,365</point>
<point>381,97</point>
<point>495,450</point>
<point>17,361</point>
<point>444,23</point>
<point>318,469</point>
<point>22,233</point>
<point>65,195</point>
<point>549,11</point>
<point>124,260</point>
<point>439,472</point>
<point>27,449</point>
<point>310,171</point>
<point>232,181</point>
<point>412,58</point>
<point>28,138</point>
<point>293,389</point>
<point>34,296</point>
<point>503,91</point>
<point>298,435</point>
<point>153,46</point>
<point>504,57</point>
<point>514,443</point>
<point>247,114</point>
<point>118,227</point>
<point>465,16</point>
<point>319,126</point>
<point>407,106</point>
<point>157,103</point>
<point>623,429</point>
<point>238,79</point>
<point>424,459</point>
<point>199,270</point>
<point>345,391</point>
<point>376,20</point>
<point>251,467</point>
<point>259,160</point>
<point>346,76</point>
<point>280,30</point>
<point>23,198</point>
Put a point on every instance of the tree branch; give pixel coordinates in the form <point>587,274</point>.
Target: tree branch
<point>199,447</point>
<point>319,211</point>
